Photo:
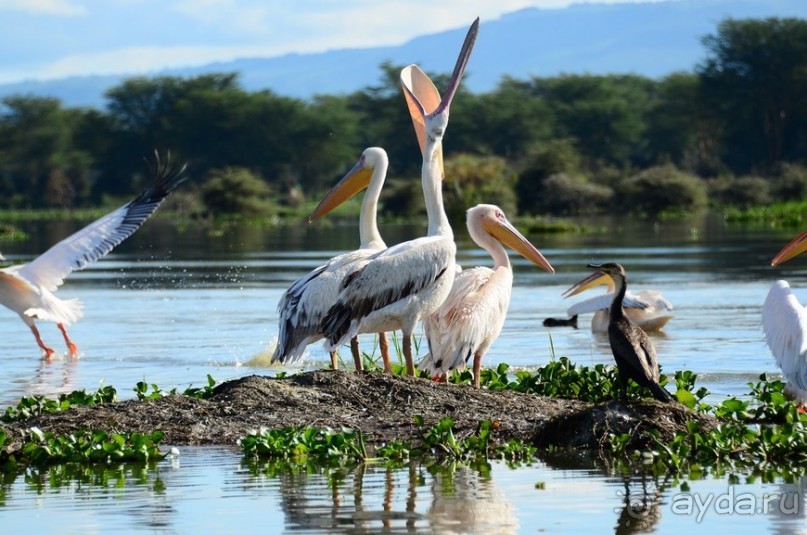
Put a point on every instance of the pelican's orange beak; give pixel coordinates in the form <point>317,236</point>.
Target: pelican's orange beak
<point>797,246</point>
<point>505,232</point>
<point>423,98</point>
<point>353,182</point>
<point>595,279</point>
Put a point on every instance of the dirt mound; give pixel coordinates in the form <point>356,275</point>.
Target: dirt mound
<point>381,405</point>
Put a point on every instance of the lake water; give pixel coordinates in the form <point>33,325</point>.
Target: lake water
<point>174,304</point>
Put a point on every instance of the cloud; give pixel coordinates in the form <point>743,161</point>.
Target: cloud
<point>44,7</point>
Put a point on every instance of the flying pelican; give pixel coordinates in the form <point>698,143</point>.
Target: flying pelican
<point>305,303</point>
<point>397,287</point>
<point>471,317</point>
<point>784,321</point>
<point>634,353</point>
<point>27,289</point>
<point>646,308</point>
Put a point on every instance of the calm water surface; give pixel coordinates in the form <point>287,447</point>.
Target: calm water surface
<point>173,305</point>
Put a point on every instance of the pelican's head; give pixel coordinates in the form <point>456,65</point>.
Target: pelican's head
<point>595,279</point>
<point>491,219</point>
<point>612,269</point>
<point>797,246</point>
<point>429,112</point>
<point>357,179</point>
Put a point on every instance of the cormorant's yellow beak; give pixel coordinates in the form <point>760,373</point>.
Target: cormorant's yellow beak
<point>595,279</point>
<point>797,246</point>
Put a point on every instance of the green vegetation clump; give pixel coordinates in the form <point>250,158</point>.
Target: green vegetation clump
<point>30,406</point>
<point>44,448</point>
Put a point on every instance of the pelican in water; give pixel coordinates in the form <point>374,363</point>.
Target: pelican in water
<point>27,289</point>
<point>634,353</point>
<point>471,317</point>
<point>399,286</point>
<point>306,302</point>
<point>784,321</point>
<point>647,309</point>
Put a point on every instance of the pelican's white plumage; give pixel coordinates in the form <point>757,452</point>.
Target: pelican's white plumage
<point>472,316</point>
<point>305,303</point>
<point>397,287</point>
<point>648,308</point>
<point>27,289</point>
<point>784,321</point>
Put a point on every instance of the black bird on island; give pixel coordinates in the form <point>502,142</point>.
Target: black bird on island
<point>634,354</point>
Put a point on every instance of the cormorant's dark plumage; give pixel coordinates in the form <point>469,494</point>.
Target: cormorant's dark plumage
<point>634,354</point>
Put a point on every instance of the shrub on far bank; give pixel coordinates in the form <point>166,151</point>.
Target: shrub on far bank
<point>790,183</point>
<point>569,194</point>
<point>661,188</point>
<point>743,191</point>
<point>236,191</point>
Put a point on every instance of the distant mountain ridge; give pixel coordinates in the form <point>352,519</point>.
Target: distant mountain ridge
<point>648,39</point>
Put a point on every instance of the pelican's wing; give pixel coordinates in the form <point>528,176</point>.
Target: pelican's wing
<point>303,305</point>
<point>392,275</point>
<point>654,299</point>
<point>471,316</point>
<point>603,302</point>
<point>784,321</point>
<point>101,236</point>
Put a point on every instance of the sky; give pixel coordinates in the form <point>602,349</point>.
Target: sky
<point>49,39</point>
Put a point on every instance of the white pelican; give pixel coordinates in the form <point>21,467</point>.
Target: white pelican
<point>27,289</point>
<point>633,352</point>
<point>399,286</point>
<point>472,316</point>
<point>646,308</point>
<point>784,321</point>
<point>306,301</point>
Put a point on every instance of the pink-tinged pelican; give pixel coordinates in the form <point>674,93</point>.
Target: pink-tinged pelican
<point>403,284</point>
<point>27,289</point>
<point>472,316</point>
<point>306,302</point>
<point>784,321</point>
<point>647,309</point>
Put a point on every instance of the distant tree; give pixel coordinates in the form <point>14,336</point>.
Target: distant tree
<point>755,79</point>
<point>605,114</point>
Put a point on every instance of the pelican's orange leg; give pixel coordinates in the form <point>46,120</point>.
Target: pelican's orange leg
<point>48,351</point>
<point>407,351</point>
<point>70,345</point>
<point>477,368</point>
<point>354,349</point>
<point>383,345</point>
<point>334,360</point>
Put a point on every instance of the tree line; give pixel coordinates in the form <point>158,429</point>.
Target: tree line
<point>734,130</point>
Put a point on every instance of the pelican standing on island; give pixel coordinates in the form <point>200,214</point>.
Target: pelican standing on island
<point>472,316</point>
<point>647,308</point>
<point>27,289</point>
<point>305,303</point>
<point>784,321</point>
<point>405,283</point>
<point>634,353</point>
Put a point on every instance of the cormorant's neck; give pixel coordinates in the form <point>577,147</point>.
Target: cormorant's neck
<point>619,295</point>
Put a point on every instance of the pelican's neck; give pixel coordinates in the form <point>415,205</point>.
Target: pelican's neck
<point>368,217</point>
<point>619,295</point>
<point>433,191</point>
<point>491,245</point>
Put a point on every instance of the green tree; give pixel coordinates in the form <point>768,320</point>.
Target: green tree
<point>755,80</point>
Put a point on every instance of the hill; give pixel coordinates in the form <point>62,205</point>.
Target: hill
<point>650,39</point>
